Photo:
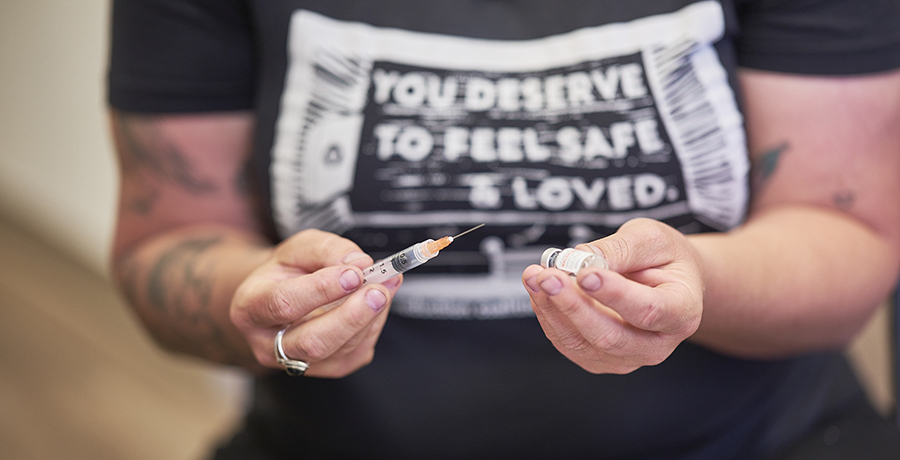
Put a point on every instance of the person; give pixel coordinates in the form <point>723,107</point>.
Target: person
<point>271,151</point>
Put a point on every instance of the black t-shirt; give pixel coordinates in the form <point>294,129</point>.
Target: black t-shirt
<point>553,122</point>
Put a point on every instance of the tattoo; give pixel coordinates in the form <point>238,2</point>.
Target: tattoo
<point>144,204</point>
<point>844,199</point>
<point>179,288</point>
<point>148,148</point>
<point>184,254</point>
<point>766,164</point>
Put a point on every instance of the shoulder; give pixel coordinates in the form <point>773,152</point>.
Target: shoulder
<point>185,55</point>
<point>830,37</point>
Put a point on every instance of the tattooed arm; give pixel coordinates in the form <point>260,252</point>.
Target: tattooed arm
<point>181,221</point>
<point>819,252</point>
<point>191,259</point>
<point>821,248</point>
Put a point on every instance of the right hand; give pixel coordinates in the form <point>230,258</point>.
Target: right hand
<point>307,271</point>
<point>631,315</point>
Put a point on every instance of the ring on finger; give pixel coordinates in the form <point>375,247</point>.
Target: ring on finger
<point>293,367</point>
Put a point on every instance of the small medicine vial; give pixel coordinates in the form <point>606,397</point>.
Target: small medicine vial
<point>571,260</point>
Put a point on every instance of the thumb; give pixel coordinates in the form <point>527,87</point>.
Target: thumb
<point>637,245</point>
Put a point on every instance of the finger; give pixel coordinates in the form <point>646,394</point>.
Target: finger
<point>318,339</point>
<point>344,366</point>
<point>262,342</point>
<point>574,321</point>
<point>562,333</point>
<point>556,326</point>
<point>588,333</point>
<point>368,337</point>
<point>286,301</point>
<point>648,308</point>
<point>597,326</point>
<point>638,244</point>
<point>313,249</point>
<point>529,278</point>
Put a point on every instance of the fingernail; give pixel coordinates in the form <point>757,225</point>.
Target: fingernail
<point>349,280</point>
<point>375,299</point>
<point>356,255</point>
<point>591,282</point>
<point>599,253</point>
<point>392,282</point>
<point>552,285</point>
<point>532,284</point>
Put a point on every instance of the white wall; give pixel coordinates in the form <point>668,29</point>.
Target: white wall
<point>57,175</point>
<point>113,394</point>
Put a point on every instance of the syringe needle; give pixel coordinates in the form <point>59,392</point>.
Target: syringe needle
<point>435,246</point>
<point>469,230</point>
<point>408,258</point>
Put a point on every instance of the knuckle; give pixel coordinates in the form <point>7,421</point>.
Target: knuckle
<point>357,319</point>
<point>321,289</point>
<point>367,357</point>
<point>332,244</point>
<point>278,306</point>
<point>243,304</point>
<point>313,347</point>
<point>647,225</point>
<point>665,243</point>
<point>657,357</point>
<point>329,244</point>
<point>299,239</point>
<point>654,233</point>
<point>354,342</point>
<point>566,307</point>
<point>239,317</point>
<point>611,341</point>
<point>649,317</point>
<point>692,326</point>
<point>616,249</point>
<point>613,294</point>
<point>574,343</point>
<point>687,327</point>
<point>309,234</point>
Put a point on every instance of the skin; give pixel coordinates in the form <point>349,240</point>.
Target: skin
<point>191,259</point>
<point>819,251</point>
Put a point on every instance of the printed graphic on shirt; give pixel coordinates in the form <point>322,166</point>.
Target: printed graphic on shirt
<point>391,137</point>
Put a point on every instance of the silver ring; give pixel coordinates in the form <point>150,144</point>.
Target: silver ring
<point>293,367</point>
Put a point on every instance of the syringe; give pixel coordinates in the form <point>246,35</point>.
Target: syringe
<point>408,258</point>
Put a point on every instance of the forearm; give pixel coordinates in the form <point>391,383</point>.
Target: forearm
<point>180,283</point>
<point>791,280</point>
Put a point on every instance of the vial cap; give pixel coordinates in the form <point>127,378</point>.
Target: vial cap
<point>548,255</point>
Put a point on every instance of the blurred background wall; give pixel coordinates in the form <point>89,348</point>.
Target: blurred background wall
<point>79,378</point>
<point>58,174</point>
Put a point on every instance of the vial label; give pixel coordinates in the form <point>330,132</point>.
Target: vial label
<point>571,260</point>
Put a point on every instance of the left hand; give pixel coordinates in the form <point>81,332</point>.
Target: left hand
<point>633,314</point>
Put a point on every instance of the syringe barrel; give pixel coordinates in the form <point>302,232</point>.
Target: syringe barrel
<point>411,257</point>
<point>398,263</point>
